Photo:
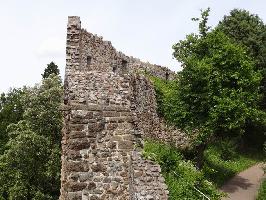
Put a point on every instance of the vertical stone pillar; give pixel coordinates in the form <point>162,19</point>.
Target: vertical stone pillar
<point>72,65</point>
<point>72,43</point>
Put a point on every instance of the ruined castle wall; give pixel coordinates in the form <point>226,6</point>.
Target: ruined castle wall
<point>101,126</point>
<point>149,123</point>
<point>99,141</point>
<point>146,107</point>
<point>97,54</point>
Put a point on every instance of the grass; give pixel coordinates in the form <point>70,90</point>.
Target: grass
<point>218,170</point>
<point>181,176</point>
<point>262,191</point>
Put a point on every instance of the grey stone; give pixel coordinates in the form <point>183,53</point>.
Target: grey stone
<point>110,107</point>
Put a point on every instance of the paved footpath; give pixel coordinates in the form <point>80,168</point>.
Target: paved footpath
<point>245,185</point>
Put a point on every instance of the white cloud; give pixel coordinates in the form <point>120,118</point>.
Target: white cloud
<point>51,47</point>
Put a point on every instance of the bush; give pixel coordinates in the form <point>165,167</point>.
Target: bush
<point>181,176</point>
<point>166,96</point>
<point>228,150</point>
<point>262,191</point>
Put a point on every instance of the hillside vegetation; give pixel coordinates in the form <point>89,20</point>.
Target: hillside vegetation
<point>220,96</point>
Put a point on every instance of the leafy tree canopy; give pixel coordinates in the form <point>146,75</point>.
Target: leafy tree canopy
<point>11,111</point>
<point>248,30</point>
<point>218,86</point>
<point>30,165</point>
<point>51,68</point>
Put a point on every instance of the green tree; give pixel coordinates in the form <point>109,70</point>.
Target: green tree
<point>42,108</point>
<point>51,68</point>
<point>218,86</point>
<point>30,166</point>
<point>248,30</point>
<point>203,28</point>
<point>22,168</point>
<point>11,111</point>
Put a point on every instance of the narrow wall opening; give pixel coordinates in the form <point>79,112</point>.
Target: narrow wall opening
<point>114,69</point>
<point>167,76</point>
<point>88,61</point>
<point>124,66</point>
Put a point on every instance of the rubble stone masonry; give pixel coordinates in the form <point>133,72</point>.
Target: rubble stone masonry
<point>109,107</point>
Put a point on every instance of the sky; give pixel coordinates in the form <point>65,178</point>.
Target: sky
<point>33,32</point>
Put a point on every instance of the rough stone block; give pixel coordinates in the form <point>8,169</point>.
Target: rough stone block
<point>78,144</point>
<point>125,144</point>
<point>91,186</point>
<point>76,186</point>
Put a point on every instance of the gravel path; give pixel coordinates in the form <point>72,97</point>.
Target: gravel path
<point>245,185</point>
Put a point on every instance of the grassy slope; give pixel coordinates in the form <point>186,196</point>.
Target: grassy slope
<point>181,175</point>
<point>219,171</point>
<point>262,191</point>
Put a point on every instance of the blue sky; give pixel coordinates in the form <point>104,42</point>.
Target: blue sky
<point>33,32</point>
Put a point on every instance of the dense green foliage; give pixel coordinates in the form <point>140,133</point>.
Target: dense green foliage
<point>262,191</point>
<point>42,108</point>
<point>30,165</point>
<point>218,86</point>
<point>180,175</point>
<point>51,68</point>
<point>166,91</point>
<point>11,111</point>
<point>249,31</point>
<point>23,163</point>
<point>218,90</point>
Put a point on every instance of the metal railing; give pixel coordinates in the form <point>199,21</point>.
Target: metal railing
<point>202,194</point>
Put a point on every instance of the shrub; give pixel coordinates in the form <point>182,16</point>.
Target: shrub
<point>180,175</point>
<point>228,150</point>
<point>262,191</point>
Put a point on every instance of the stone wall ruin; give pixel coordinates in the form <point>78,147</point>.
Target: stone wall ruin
<point>109,108</point>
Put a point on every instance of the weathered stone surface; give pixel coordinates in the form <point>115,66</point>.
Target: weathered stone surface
<point>109,108</point>
<point>76,186</point>
<point>91,186</point>
<point>78,144</point>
